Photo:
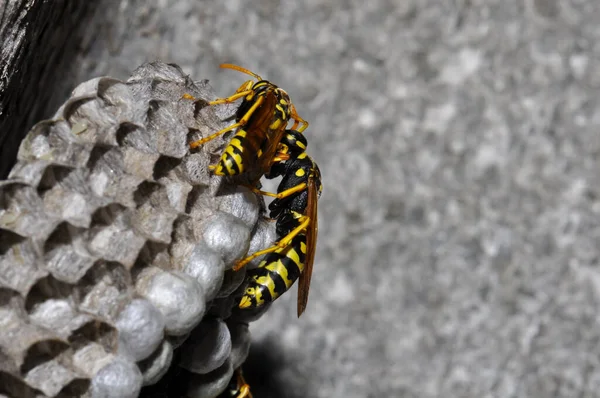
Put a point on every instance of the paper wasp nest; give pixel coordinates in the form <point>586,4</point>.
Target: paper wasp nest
<point>115,244</point>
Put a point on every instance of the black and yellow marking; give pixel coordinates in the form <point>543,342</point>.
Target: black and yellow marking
<point>261,118</point>
<point>276,274</point>
<point>295,209</point>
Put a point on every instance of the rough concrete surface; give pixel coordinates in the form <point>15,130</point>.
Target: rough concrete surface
<point>459,147</point>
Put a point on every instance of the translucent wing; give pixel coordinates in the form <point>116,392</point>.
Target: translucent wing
<point>259,132</point>
<point>311,245</point>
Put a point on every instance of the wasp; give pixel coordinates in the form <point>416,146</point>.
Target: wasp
<point>295,211</point>
<point>261,120</point>
<point>237,388</point>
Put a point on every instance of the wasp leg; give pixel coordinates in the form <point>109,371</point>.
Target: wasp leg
<point>242,91</point>
<point>241,123</point>
<point>297,120</point>
<point>282,194</point>
<point>243,387</point>
<point>280,157</point>
<point>231,98</point>
<point>283,242</point>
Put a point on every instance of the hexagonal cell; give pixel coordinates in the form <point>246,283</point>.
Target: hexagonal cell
<point>168,127</point>
<point>11,300</point>
<point>139,163</point>
<point>154,254</point>
<point>94,115</point>
<point>63,234</point>
<point>108,215</point>
<point>109,176</point>
<point>96,155</point>
<point>8,364</point>
<point>90,358</point>
<point>66,255</point>
<point>96,331</point>
<point>28,172</point>
<point>130,135</point>
<point>166,166</point>
<point>60,315</point>
<point>72,106</point>
<point>74,207</point>
<point>22,211</point>
<point>111,236</point>
<point>42,351</point>
<point>199,104</point>
<point>26,345</point>
<point>75,388</point>
<point>183,229</point>
<point>53,175</point>
<point>53,141</point>
<point>105,289</point>
<point>20,262</point>
<point>196,199</point>
<point>67,195</point>
<point>113,92</point>
<point>178,193</point>
<point>53,377</point>
<point>49,288</point>
<point>195,169</point>
<point>13,386</point>
<point>154,216</point>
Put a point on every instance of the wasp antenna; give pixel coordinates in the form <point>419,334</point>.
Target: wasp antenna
<point>240,69</point>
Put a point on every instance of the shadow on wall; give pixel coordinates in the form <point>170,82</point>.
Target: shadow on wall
<point>264,361</point>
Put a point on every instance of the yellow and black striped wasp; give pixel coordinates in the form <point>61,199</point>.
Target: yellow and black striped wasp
<point>261,121</point>
<point>295,212</point>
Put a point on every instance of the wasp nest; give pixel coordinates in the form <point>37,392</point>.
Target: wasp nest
<point>116,244</point>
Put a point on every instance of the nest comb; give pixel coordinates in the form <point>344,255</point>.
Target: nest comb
<point>116,244</point>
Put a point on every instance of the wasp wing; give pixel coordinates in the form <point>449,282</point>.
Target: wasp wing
<point>311,245</point>
<point>274,136</point>
<point>258,131</point>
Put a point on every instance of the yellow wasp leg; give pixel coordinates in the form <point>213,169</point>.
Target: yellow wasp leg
<point>231,98</point>
<point>282,194</point>
<point>242,122</point>
<point>243,387</point>
<point>283,242</point>
<point>280,157</point>
<point>245,392</point>
<point>242,91</point>
<point>297,120</point>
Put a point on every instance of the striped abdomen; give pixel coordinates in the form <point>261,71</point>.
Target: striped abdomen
<point>275,274</point>
<point>237,155</point>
